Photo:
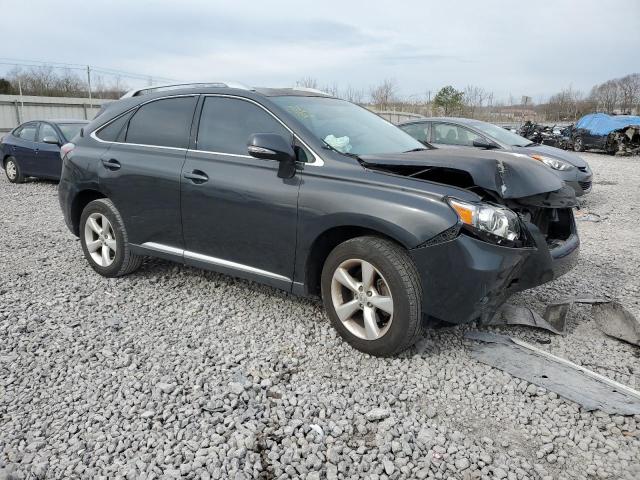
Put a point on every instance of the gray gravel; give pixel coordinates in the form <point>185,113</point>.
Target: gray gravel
<point>175,372</point>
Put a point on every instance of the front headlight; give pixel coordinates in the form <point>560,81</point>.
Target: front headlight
<point>491,222</point>
<point>552,162</point>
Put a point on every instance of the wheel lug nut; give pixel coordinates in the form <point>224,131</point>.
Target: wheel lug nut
<point>360,288</point>
<point>369,305</point>
<point>369,293</point>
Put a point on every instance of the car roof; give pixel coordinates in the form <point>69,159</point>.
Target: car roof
<point>461,120</point>
<point>57,120</point>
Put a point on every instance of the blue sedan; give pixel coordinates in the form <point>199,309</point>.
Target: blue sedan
<point>33,148</point>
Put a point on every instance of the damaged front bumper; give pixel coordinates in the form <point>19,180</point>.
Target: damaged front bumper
<point>466,279</point>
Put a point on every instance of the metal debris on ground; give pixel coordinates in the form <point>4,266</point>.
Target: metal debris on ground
<point>516,315</point>
<point>572,382</point>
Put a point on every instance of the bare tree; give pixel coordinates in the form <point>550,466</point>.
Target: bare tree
<point>629,90</point>
<point>307,82</point>
<point>385,94</point>
<point>474,99</point>
<point>606,96</point>
<point>352,94</point>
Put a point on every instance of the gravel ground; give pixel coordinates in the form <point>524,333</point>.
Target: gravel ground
<point>176,372</point>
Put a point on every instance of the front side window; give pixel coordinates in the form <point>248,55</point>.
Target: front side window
<point>70,130</point>
<point>448,134</point>
<point>27,132</point>
<point>165,123</point>
<point>347,127</point>
<point>46,130</point>
<point>227,123</point>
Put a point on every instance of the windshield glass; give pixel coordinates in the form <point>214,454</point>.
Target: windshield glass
<point>70,130</point>
<point>502,135</point>
<point>347,127</point>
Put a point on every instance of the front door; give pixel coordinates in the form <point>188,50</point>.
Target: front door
<point>140,172</point>
<point>47,155</point>
<point>238,217</point>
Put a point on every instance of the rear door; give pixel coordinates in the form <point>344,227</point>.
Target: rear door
<point>47,155</point>
<point>24,147</point>
<point>238,216</point>
<point>420,131</point>
<point>140,172</point>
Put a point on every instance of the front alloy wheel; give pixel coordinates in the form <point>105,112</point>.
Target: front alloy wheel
<point>372,292</point>
<point>362,299</point>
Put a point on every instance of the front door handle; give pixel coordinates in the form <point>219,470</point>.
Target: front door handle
<point>111,164</point>
<point>196,176</point>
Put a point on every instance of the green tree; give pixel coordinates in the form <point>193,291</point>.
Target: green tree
<point>5,86</point>
<point>449,99</point>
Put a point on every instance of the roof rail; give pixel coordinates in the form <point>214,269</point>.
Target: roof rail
<point>312,90</point>
<point>173,86</point>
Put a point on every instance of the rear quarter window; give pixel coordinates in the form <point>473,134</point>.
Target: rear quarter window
<point>165,123</point>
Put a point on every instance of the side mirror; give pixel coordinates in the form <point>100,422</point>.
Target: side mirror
<point>271,146</point>
<point>484,144</point>
<point>52,140</point>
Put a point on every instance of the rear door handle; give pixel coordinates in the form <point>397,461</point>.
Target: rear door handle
<point>196,176</point>
<point>111,164</point>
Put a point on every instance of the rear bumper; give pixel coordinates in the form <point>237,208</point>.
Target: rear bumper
<point>466,279</point>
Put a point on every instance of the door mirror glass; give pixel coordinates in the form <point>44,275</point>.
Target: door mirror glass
<point>51,140</point>
<point>271,146</point>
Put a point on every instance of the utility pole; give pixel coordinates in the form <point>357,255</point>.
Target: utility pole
<point>21,100</point>
<point>89,81</point>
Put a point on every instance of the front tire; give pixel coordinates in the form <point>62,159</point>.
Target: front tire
<point>578,144</point>
<point>372,293</point>
<point>12,170</point>
<point>104,240</point>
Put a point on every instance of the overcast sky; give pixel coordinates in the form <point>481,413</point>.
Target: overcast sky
<point>509,47</point>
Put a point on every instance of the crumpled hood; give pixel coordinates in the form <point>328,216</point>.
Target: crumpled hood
<point>569,157</point>
<point>509,175</point>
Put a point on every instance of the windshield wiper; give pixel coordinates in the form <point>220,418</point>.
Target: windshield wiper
<point>347,154</point>
<point>532,144</point>
<point>419,149</point>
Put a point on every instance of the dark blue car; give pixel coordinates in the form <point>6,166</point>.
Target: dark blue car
<point>33,148</point>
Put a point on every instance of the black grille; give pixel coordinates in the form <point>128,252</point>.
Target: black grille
<point>582,169</point>
<point>585,185</point>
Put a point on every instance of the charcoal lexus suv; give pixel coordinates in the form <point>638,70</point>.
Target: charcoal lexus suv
<point>317,196</point>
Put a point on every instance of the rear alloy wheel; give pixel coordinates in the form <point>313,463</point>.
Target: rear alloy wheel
<point>372,293</point>
<point>12,170</point>
<point>104,240</point>
<point>578,144</point>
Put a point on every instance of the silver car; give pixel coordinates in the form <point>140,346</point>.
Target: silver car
<point>449,132</point>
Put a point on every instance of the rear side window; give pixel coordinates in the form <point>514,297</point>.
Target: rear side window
<point>227,123</point>
<point>165,123</point>
<point>27,132</point>
<point>419,131</point>
<point>116,130</point>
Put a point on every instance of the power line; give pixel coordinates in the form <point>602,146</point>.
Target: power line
<point>76,66</point>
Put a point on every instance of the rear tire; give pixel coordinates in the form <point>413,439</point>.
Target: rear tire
<point>373,295</point>
<point>12,170</point>
<point>104,240</point>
